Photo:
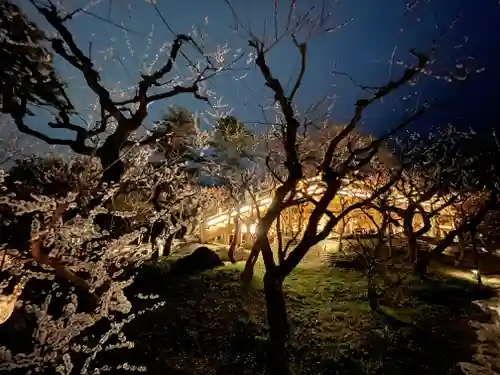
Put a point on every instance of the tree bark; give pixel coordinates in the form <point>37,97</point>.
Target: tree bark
<point>420,266</point>
<point>112,166</point>
<point>476,259</point>
<point>466,225</point>
<point>260,238</point>
<point>279,237</point>
<point>461,250</point>
<point>236,238</point>
<point>418,260</point>
<point>247,274</point>
<point>372,293</point>
<point>389,248</point>
<point>167,250</point>
<point>279,330</point>
<point>341,234</point>
<point>63,272</point>
<point>413,251</point>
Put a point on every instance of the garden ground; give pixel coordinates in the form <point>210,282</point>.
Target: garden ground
<point>212,324</point>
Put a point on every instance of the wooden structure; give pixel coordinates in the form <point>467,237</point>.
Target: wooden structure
<point>220,227</point>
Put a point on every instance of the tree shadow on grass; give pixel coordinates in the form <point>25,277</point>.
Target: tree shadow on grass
<point>209,324</point>
<point>441,337</point>
<point>204,327</point>
<point>424,330</point>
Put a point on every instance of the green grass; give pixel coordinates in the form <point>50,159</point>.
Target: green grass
<point>210,324</point>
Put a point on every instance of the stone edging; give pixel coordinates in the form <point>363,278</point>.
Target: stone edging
<point>486,361</point>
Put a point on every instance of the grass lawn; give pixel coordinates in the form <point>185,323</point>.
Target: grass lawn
<point>210,324</point>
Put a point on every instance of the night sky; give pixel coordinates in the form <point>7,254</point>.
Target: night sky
<point>370,48</point>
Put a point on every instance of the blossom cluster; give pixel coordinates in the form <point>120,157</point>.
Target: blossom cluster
<point>59,335</point>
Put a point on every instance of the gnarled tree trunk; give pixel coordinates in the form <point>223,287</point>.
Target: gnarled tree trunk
<point>372,293</point>
<point>477,272</point>
<point>247,274</point>
<point>112,166</point>
<point>167,248</point>
<point>236,237</point>
<point>413,249</point>
<point>279,330</point>
<point>461,250</point>
<point>60,270</point>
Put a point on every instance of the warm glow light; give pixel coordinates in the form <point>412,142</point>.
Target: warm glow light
<point>354,193</point>
<point>476,274</point>
<point>244,228</point>
<point>314,187</point>
<point>216,220</point>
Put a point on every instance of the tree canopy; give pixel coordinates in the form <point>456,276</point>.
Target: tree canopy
<point>26,69</point>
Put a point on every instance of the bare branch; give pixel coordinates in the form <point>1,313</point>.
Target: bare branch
<point>303,50</point>
<point>311,238</point>
<point>77,145</point>
<point>292,160</point>
<point>362,104</point>
<point>78,59</point>
<point>112,23</point>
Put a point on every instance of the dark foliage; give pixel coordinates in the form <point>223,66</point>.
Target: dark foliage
<point>200,260</point>
<point>26,71</point>
<point>48,176</point>
<point>115,225</point>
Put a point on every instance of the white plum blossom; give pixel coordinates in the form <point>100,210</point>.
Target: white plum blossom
<point>63,333</point>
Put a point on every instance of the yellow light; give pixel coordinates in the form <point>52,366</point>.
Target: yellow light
<point>216,220</point>
<point>266,200</point>
<point>312,189</point>
<point>252,228</point>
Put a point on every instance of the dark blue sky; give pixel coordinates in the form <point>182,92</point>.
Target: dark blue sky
<point>466,32</point>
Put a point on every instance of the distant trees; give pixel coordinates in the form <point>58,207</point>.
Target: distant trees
<point>429,185</point>
<point>176,138</point>
<point>232,141</point>
<point>174,150</point>
<point>232,163</point>
<point>478,189</point>
<point>446,175</point>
